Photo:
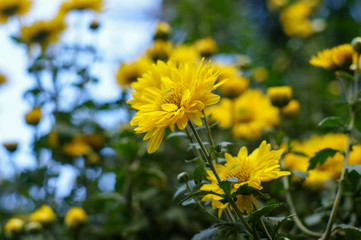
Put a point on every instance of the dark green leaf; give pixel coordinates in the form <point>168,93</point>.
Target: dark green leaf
<point>321,156</point>
<point>198,174</point>
<point>199,194</point>
<point>255,216</point>
<point>232,226</point>
<point>247,190</point>
<point>277,223</point>
<point>206,234</point>
<point>356,168</point>
<point>331,122</point>
<point>351,231</point>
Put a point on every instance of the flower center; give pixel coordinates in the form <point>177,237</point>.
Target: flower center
<point>240,171</point>
<point>11,10</point>
<point>40,36</point>
<point>173,97</point>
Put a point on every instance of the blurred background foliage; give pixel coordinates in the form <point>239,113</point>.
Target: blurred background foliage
<point>127,193</point>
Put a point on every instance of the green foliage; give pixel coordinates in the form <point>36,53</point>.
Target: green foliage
<point>321,156</point>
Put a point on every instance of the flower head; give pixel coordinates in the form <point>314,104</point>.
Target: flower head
<point>170,95</point>
<point>162,31</point>
<point>75,217</point>
<point>248,114</point>
<point>332,167</point>
<point>76,148</point>
<point>43,32</point>
<point>43,215</point>
<point>33,117</point>
<point>280,96</point>
<point>337,58</point>
<point>291,109</point>
<point>235,84</point>
<point>11,146</point>
<point>184,53</point>
<point>9,8</point>
<point>2,79</point>
<point>129,72</point>
<point>262,165</point>
<point>14,225</point>
<point>160,50</point>
<point>80,5</point>
<point>206,47</point>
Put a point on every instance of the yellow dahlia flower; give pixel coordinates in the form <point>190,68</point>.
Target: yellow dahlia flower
<point>80,5</point>
<point>235,85</point>
<point>162,31</point>
<point>184,53</point>
<point>248,114</point>
<point>172,94</point>
<point>206,47</point>
<point>43,215</point>
<point>14,225</point>
<point>160,50</point>
<point>262,165</point>
<point>280,96</point>
<point>129,72</point>
<point>331,169</point>
<point>9,8</point>
<point>337,58</point>
<point>43,32</point>
<point>75,217</point>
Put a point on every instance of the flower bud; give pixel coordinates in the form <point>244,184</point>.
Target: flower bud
<point>2,79</point>
<point>280,96</point>
<point>183,177</point>
<point>11,146</point>
<point>14,225</point>
<point>33,227</point>
<point>33,117</point>
<point>356,43</point>
<point>206,47</point>
<point>94,25</point>
<point>75,217</point>
<point>162,31</point>
<point>292,109</point>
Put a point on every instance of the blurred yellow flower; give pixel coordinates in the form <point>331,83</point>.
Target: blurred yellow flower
<point>206,47</point>
<point>262,165</point>
<point>235,84</point>
<point>160,50</point>
<point>260,74</point>
<point>280,96</point>
<point>53,138</point>
<point>291,109</point>
<point>43,215</point>
<point>162,31</point>
<point>33,117</point>
<point>2,79</point>
<point>172,94</point>
<point>75,217</point>
<point>276,4</point>
<point>95,140</point>
<point>129,72</point>
<point>248,114</point>
<point>11,146</point>
<point>43,32</point>
<point>76,148</point>
<point>80,5</point>
<point>14,225</point>
<point>331,169</point>
<point>294,18</point>
<point>9,8</point>
<point>184,53</point>
<point>337,58</point>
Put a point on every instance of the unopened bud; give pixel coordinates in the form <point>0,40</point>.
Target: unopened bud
<point>356,43</point>
<point>183,177</point>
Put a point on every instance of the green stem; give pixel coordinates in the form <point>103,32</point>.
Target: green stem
<point>210,136</point>
<point>265,229</point>
<point>210,162</point>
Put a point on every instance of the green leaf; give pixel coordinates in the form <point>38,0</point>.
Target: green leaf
<point>321,157</point>
<point>351,231</point>
<point>199,194</point>
<point>247,190</point>
<point>176,134</point>
<point>356,168</point>
<point>226,185</point>
<point>232,226</point>
<point>277,223</point>
<point>206,234</point>
<point>198,174</point>
<point>255,216</point>
<point>331,122</point>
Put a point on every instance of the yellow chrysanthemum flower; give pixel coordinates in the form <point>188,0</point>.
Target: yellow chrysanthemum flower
<point>206,47</point>
<point>172,94</point>
<point>43,32</point>
<point>294,18</point>
<point>280,96</point>
<point>276,4</point>
<point>331,169</point>
<point>248,115</point>
<point>235,85</point>
<point>14,225</point>
<point>43,215</point>
<point>75,217</point>
<point>337,58</point>
<point>9,8</point>
<point>76,148</point>
<point>33,117</point>
<point>162,31</point>
<point>129,72</point>
<point>262,165</point>
<point>291,109</point>
<point>160,50</point>
<point>80,5</point>
<point>184,53</point>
